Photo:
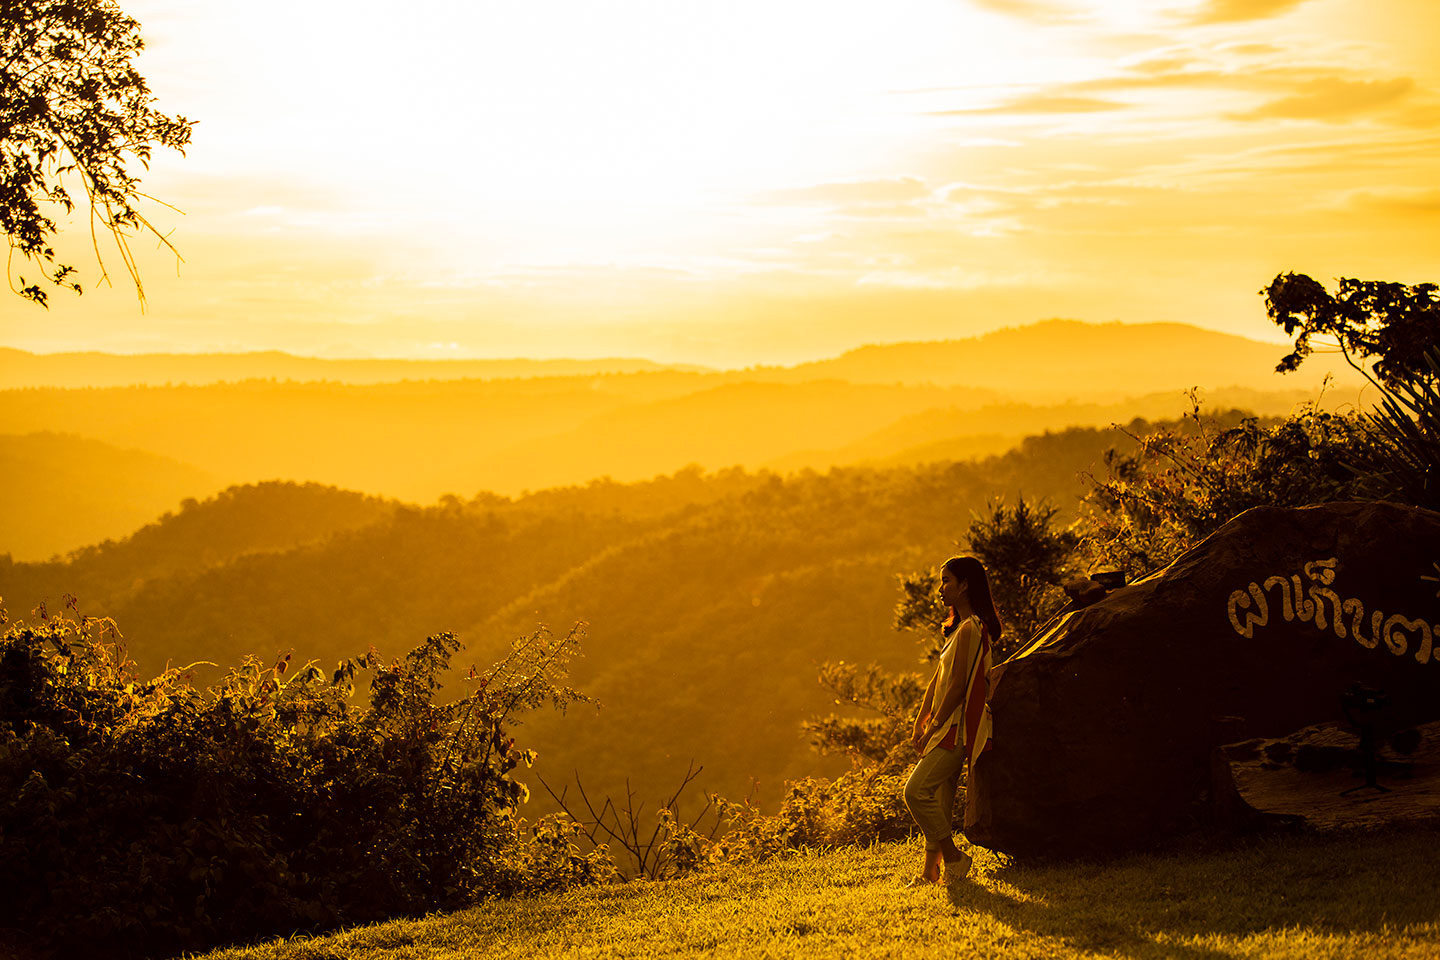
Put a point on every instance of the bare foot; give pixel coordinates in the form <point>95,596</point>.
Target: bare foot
<point>957,868</point>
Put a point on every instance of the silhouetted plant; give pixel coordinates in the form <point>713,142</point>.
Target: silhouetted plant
<point>152,817</point>
<point>1404,464</point>
<point>857,808</point>
<point>1027,560</point>
<point>670,847</point>
<point>1396,328</point>
<point>1390,324</point>
<point>884,739</point>
<point>72,104</point>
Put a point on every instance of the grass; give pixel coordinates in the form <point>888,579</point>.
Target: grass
<point>1346,895</point>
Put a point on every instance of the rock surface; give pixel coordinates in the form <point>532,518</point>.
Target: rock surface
<point>1311,778</point>
<point>1104,726</point>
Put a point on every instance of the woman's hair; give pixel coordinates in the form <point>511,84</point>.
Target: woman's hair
<point>971,572</point>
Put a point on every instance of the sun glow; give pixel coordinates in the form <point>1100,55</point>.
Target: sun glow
<point>377,178</point>
<point>585,126</point>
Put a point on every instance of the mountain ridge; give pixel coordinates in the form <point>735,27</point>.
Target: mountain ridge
<point>1047,348</point>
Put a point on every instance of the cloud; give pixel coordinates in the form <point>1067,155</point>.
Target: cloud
<point>1033,10</point>
<point>1418,202</point>
<point>1332,98</point>
<point>1255,49</point>
<point>878,197</point>
<point>1235,11</point>
<point>1040,103</point>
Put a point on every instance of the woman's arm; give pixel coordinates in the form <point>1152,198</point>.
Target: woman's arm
<point>926,703</point>
<point>922,719</point>
<point>951,697</point>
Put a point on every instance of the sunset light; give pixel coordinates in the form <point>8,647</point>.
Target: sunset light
<point>698,479</point>
<point>759,182</point>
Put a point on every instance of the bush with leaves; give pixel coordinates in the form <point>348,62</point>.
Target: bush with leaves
<point>858,808</point>
<point>1027,560</point>
<point>151,817</point>
<point>1182,483</point>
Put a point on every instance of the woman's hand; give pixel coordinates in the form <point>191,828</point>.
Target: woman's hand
<point>922,736</point>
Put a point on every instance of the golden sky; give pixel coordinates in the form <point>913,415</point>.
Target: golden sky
<point>759,180</point>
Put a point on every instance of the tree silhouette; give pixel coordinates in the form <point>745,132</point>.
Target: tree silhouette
<point>73,105</point>
<point>1390,322</point>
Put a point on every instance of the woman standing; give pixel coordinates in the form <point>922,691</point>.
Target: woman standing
<point>949,730</point>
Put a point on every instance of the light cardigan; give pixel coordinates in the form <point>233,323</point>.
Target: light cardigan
<point>970,716</point>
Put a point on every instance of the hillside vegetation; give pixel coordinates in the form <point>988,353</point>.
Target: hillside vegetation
<point>712,599</point>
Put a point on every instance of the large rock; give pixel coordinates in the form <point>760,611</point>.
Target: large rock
<point>1104,726</point>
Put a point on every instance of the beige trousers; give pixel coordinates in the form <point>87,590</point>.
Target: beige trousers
<point>930,793</point>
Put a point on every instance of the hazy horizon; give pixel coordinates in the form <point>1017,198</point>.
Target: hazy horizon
<point>753,184</point>
<point>1265,333</point>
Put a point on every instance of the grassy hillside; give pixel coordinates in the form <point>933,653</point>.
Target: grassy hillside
<point>1287,898</point>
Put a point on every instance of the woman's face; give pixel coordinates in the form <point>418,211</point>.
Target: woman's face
<point>952,591</point>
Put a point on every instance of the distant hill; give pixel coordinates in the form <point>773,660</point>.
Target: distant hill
<point>1052,360</point>
<point>420,439</point>
<point>20,368</point>
<point>61,491</point>
<point>1067,359</point>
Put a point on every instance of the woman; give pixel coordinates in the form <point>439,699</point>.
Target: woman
<point>949,730</point>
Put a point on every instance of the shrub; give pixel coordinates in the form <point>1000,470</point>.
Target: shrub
<point>1182,483</point>
<point>858,808</point>
<point>151,817</point>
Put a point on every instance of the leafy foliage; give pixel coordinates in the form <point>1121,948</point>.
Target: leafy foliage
<point>1397,327</point>
<point>1393,323</point>
<point>153,817</point>
<point>1182,483</point>
<point>669,847</point>
<point>880,739</point>
<point>72,103</point>
<point>1404,462</point>
<point>1027,560</point>
<point>856,808</point>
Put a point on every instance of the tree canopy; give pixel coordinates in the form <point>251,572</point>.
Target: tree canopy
<point>1390,322</point>
<point>73,105</point>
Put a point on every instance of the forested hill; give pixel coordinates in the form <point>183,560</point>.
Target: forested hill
<point>711,599</point>
<point>270,518</point>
